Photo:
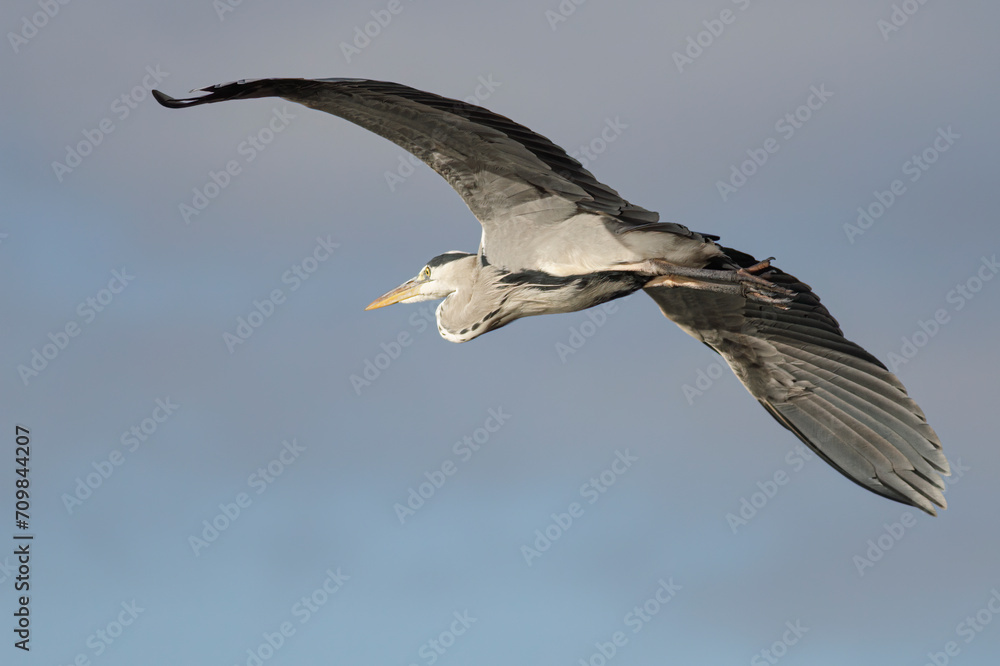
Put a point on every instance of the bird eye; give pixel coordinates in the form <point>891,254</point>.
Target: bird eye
<point>426,273</point>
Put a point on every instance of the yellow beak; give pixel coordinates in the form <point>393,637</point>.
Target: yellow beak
<point>400,293</point>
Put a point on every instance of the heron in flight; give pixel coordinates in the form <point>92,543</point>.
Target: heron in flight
<point>555,239</point>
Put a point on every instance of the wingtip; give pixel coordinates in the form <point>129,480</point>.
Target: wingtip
<point>172,102</point>
<point>930,510</point>
<point>211,96</point>
<point>242,89</point>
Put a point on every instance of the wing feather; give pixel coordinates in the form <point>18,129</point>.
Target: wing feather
<point>835,396</point>
<point>518,183</point>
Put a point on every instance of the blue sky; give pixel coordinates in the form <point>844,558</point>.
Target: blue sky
<point>194,500</point>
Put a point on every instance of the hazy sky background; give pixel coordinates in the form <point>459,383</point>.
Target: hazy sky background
<point>359,451</point>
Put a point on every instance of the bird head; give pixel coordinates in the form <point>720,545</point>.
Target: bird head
<point>440,278</point>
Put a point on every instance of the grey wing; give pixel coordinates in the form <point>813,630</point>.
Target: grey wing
<point>836,397</point>
<point>521,186</point>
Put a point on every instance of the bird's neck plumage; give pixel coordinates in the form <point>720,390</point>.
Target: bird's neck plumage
<point>484,304</point>
<point>474,308</point>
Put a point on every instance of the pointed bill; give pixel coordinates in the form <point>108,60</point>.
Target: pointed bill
<point>401,293</point>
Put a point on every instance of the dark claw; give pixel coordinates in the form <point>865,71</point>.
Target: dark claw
<point>780,302</point>
<point>744,276</point>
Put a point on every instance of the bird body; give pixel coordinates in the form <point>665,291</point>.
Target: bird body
<point>557,240</point>
<point>486,297</point>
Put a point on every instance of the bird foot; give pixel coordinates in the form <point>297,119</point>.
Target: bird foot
<point>743,282</point>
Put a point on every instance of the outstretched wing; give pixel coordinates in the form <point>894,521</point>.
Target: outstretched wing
<point>836,397</point>
<point>520,185</point>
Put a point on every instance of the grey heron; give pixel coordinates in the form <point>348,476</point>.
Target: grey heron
<point>555,239</point>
